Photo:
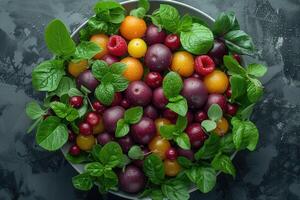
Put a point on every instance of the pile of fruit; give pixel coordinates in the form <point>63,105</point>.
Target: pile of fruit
<point>149,103</point>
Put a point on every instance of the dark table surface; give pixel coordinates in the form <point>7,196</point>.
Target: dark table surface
<point>270,173</point>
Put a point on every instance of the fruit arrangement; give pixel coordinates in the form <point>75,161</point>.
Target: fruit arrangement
<point>150,104</point>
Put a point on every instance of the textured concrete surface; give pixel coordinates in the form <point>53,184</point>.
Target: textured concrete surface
<point>270,173</point>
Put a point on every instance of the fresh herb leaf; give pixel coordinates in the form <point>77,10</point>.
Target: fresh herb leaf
<point>52,134</point>
<point>185,23</point>
<point>239,42</point>
<point>119,82</point>
<point>47,75</point>
<point>245,113</point>
<point>223,163</point>
<point>154,194</point>
<point>144,4</point>
<point>175,190</point>
<point>233,66</point>
<point>136,153</point>
<point>34,110</point>
<point>254,90</point>
<point>108,181</point>
<point>226,144</point>
<point>183,141</point>
<point>74,92</point>
<point>86,50</point>
<point>122,128</point>
<point>100,69</point>
<point>238,86</point>
<point>64,86</point>
<point>154,169</point>
<point>111,154</point>
<point>215,112</point>
<point>172,84</point>
<point>199,40</point>
<point>168,17</point>
<point>257,70</point>
<point>225,22</point>
<point>179,106</point>
<point>181,123</point>
<point>168,131</point>
<point>210,148</point>
<point>118,68</point>
<point>83,109</point>
<point>82,182</point>
<point>94,169</point>
<point>133,115</point>
<point>95,152</point>
<point>203,177</point>
<point>110,11</point>
<point>35,124</point>
<point>139,12</point>
<point>105,93</point>
<point>58,39</point>
<point>79,159</point>
<point>184,162</point>
<point>209,125</point>
<point>64,111</point>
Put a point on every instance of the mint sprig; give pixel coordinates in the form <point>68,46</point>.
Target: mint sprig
<point>131,116</point>
<point>141,11</point>
<point>214,114</point>
<point>176,133</point>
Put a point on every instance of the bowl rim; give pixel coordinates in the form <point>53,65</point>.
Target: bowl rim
<point>202,14</point>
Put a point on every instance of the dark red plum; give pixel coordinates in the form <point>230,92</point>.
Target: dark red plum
<point>200,116</point>
<point>196,134</point>
<point>125,103</point>
<point>104,138</point>
<point>109,59</point>
<point>159,100</point>
<point>87,79</point>
<point>153,35</point>
<point>111,117</point>
<point>132,179</point>
<point>189,154</point>
<point>138,93</point>
<point>117,99</point>
<point>216,99</point>
<point>190,117</point>
<point>171,154</point>
<point>143,131</point>
<point>170,115</point>
<point>218,51</point>
<point>158,57</point>
<point>195,92</point>
<point>126,143</point>
<point>151,112</point>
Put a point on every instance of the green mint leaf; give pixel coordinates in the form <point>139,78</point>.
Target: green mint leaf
<point>133,115</point>
<point>136,153</point>
<point>107,78</point>
<point>35,124</point>
<point>111,154</point>
<point>184,162</point>
<point>34,110</point>
<point>118,68</point>
<point>100,69</point>
<point>83,109</point>
<point>124,161</point>
<point>175,190</point>
<point>257,70</point>
<point>215,112</point>
<point>79,159</point>
<point>105,93</point>
<point>180,106</point>
<point>183,141</point>
<point>210,148</point>
<point>110,11</point>
<point>204,177</point>
<point>47,75</point>
<point>168,17</point>
<point>223,163</point>
<point>94,169</point>
<point>85,90</point>
<point>254,90</point>
<point>172,84</point>
<point>139,12</point>
<point>122,128</point>
<point>154,169</point>
<point>95,152</point>
<point>239,42</point>
<point>108,181</point>
<point>199,40</point>
<point>238,86</point>
<point>154,194</point>
<point>233,66</point>
<point>59,108</point>
<point>74,92</point>
<point>64,86</point>
<point>168,131</point>
<point>74,127</point>
<point>119,82</point>
<point>82,182</point>
<point>225,22</point>
<point>58,39</point>
<point>185,23</point>
<point>86,50</point>
<point>72,114</point>
<point>245,113</point>
<point>226,144</point>
<point>209,125</point>
<point>52,134</point>
<point>144,4</point>
<point>198,20</point>
<point>181,123</point>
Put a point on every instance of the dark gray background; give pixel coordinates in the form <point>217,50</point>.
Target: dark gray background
<point>270,173</point>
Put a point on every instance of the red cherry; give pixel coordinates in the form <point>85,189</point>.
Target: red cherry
<point>171,154</point>
<point>228,92</point>
<point>117,45</point>
<point>153,79</point>
<point>117,99</point>
<point>231,109</point>
<point>98,107</point>
<point>85,128</point>
<point>76,101</point>
<point>237,57</point>
<point>125,103</point>
<point>71,136</point>
<point>204,65</point>
<point>196,134</point>
<point>172,41</point>
<point>92,118</point>
<point>74,150</point>
<point>200,116</point>
<point>170,115</point>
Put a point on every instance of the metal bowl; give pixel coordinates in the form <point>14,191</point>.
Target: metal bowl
<point>154,4</point>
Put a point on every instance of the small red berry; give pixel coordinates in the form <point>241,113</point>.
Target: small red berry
<point>204,65</point>
<point>237,57</point>
<point>117,45</point>
<point>98,107</point>
<point>72,136</point>
<point>171,154</point>
<point>231,109</point>
<point>228,92</point>
<point>76,101</point>
<point>153,79</point>
<point>125,103</point>
<point>85,128</point>
<point>74,150</point>
<point>92,118</point>
<point>172,41</point>
<point>117,99</point>
<point>170,115</point>
<point>200,116</point>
